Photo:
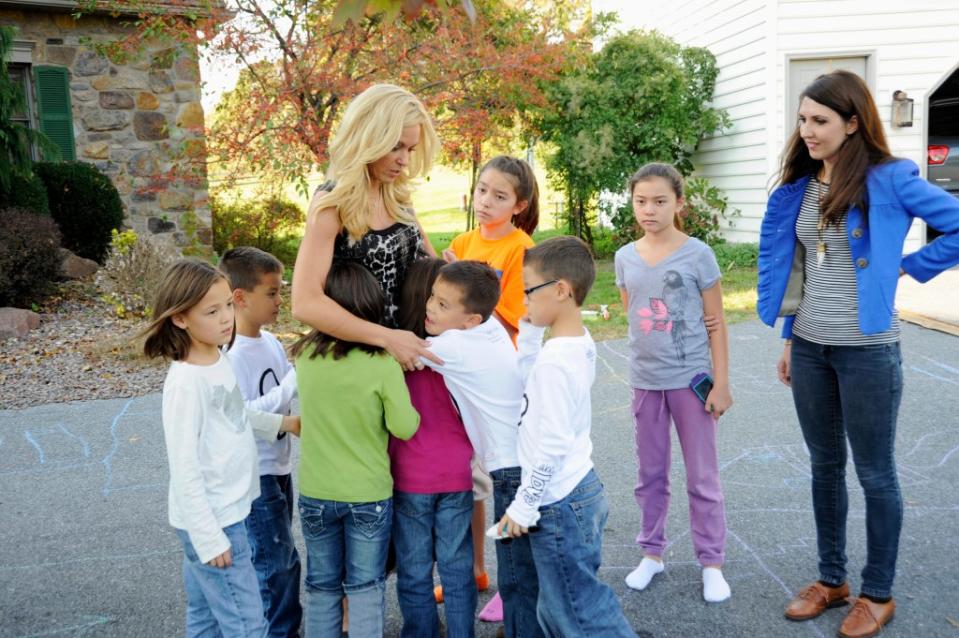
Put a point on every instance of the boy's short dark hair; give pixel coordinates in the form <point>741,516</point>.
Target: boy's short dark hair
<point>244,265</point>
<point>478,284</point>
<point>566,258</point>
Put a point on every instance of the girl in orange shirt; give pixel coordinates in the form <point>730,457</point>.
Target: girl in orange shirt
<point>506,204</point>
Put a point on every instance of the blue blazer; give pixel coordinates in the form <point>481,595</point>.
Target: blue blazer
<point>897,194</point>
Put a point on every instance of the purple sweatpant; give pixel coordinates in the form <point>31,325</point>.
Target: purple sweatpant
<point>653,410</point>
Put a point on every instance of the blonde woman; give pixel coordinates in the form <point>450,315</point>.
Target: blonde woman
<point>364,213</point>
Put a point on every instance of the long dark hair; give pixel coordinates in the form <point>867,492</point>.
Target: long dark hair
<point>355,288</point>
<point>847,94</point>
<point>523,179</point>
<point>417,288</point>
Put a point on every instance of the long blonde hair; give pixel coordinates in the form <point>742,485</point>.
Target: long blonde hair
<point>371,127</point>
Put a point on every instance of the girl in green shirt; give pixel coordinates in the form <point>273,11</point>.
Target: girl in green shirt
<point>352,397</point>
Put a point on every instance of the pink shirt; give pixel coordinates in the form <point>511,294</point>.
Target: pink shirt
<point>437,458</point>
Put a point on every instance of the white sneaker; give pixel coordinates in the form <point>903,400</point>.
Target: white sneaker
<point>715,587</point>
<point>639,578</point>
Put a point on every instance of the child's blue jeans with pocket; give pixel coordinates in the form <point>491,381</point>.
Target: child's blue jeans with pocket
<point>567,547</point>
<point>424,526</point>
<point>222,601</point>
<point>346,548</point>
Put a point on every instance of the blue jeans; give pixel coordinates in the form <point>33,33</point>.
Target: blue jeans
<point>515,570</point>
<point>222,601</point>
<point>269,527</point>
<point>346,547</point>
<point>567,548</point>
<point>852,392</point>
<point>425,525</point>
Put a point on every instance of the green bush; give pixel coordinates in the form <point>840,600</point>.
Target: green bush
<point>605,243</point>
<point>84,203</point>
<point>705,205</point>
<point>27,192</point>
<point>29,256</point>
<point>736,255</point>
<point>268,225</point>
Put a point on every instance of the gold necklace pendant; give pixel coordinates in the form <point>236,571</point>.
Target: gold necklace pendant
<point>820,229</point>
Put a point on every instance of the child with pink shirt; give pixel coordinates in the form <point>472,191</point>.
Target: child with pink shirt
<point>433,489</point>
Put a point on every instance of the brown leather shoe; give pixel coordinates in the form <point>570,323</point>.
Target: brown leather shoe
<point>814,599</point>
<point>867,618</point>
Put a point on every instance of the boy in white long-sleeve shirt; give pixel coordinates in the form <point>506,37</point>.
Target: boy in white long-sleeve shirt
<point>267,381</point>
<point>481,371</point>
<point>561,505</point>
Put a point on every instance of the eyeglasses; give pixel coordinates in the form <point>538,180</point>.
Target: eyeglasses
<point>532,289</point>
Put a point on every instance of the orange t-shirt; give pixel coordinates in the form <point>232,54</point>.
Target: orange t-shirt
<point>505,256</point>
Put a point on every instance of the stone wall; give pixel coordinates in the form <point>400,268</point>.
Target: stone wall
<point>134,119</point>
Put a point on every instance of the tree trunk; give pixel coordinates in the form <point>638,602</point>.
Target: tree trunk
<point>474,167</point>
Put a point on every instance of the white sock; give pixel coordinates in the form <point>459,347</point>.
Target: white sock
<point>639,578</point>
<point>715,587</point>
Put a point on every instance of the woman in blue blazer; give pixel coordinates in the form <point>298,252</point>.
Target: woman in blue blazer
<point>830,257</point>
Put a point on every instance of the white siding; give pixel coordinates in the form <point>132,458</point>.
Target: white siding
<point>912,46</point>
<point>737,33</point>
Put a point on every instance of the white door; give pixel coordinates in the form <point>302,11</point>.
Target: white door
<point>803,71</point>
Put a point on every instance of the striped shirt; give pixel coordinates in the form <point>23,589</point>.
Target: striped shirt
<point>829,311</point>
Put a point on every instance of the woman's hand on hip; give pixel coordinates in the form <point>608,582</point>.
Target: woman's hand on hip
<point>782,367</point>
<point>407,349</point>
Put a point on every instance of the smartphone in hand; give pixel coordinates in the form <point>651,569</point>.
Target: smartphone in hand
<point>701,385</point>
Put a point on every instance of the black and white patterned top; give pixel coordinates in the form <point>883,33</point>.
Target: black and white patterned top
<point>387,254</point>
<point>829,311</point>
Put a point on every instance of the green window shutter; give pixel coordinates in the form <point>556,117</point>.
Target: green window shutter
<point>53,102</point>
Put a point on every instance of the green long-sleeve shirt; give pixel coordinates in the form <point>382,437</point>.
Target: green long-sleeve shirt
<point>349,407</point>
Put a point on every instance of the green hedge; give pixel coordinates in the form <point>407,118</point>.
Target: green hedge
<point>26,192</point>
<point>84,203</point>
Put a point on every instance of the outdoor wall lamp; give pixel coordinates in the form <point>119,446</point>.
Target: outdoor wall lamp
<point>901,109</point>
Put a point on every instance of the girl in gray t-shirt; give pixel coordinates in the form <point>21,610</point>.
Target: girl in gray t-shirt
<point>668,281</point>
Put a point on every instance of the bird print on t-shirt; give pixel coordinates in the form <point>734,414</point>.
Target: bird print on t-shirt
<point>676,296</point>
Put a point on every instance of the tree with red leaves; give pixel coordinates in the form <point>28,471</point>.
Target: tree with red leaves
<point>303,60</point>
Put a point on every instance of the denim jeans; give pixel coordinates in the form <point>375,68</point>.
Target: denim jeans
<point>515,570</point>
<point>222,601</point>
<point>425,525</point>
<point>269,527</point>
<point>346,546</point>
<point>567,547</point>
<point>852,392</point>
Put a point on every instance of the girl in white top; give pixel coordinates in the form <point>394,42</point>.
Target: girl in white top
<point>212,455</point>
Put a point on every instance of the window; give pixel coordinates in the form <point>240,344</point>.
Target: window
<point>20,75</point>
<point>47,93</point>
